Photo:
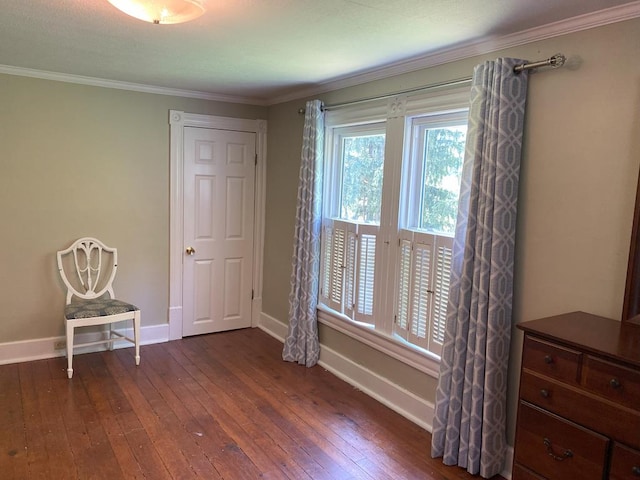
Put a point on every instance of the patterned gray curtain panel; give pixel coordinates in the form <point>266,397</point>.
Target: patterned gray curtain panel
<point>301,344</point>
<point>470,410</point>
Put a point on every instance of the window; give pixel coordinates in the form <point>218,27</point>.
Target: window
<point>429,206</point>
<point>390,205</point>
<point>352,220</point>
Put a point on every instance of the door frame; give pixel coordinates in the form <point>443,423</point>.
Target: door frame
<point>178,120</point>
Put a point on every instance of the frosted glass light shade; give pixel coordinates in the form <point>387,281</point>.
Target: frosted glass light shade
<point>161,11</point>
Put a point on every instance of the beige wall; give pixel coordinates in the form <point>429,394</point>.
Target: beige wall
<point>84,161</point>
<point>579,171</point>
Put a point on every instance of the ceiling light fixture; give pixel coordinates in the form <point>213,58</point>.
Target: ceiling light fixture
<point>161,11</point>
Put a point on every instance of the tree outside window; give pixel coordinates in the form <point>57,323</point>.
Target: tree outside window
<point>443,158</point>
<point>362,169</point>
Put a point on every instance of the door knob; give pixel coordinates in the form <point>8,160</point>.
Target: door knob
<point>191,250</point>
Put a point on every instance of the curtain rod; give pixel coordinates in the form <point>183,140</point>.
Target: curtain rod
<point>554,61</point>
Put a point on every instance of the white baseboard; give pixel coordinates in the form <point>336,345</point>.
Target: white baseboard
<point>407,404</point>
<point>402,401</point>
<point>273,327</point>
<point>41,348</point>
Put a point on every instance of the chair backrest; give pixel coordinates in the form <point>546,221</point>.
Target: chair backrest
<point>88,268</point>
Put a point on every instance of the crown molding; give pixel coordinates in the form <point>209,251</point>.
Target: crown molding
<point>471,49</point>
<point>135,87</point>
<point>439,57</point>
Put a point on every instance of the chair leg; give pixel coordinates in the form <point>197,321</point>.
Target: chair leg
<point>136,334</point>
<point>109,327</point>
<point>70,330</point>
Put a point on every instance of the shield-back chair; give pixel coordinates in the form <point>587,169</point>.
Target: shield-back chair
<point>88,268</point>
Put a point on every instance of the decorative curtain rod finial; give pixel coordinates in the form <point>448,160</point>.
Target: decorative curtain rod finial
<point>555,61</point>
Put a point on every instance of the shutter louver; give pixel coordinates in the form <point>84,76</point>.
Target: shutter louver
<point>326,263</point>
<point>337,266</point>
<point>404,284</point>
<point>366,273</point>
<point>350,272</point>
<point>441,295</point>
<point>420,290</point>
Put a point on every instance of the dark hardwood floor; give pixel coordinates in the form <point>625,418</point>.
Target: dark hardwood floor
<point>221,406</point>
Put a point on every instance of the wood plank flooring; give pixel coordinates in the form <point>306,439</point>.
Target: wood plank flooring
<point>221,406</point>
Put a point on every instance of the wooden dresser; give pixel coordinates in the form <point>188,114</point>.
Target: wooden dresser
<point>579,404</point>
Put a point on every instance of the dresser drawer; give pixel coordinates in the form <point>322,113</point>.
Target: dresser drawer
<point>612,381</point>
<point>556,448</point>
<point>522,473</point>
<point>551,360</point>
<point>625,463</point>
<point>581,407</point>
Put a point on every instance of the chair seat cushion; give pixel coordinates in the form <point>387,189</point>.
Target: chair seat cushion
<point>99,307</point>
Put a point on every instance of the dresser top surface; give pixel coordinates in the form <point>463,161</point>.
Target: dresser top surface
<point>603,336</point>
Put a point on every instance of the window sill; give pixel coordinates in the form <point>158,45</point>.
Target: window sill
<point>394,347</point>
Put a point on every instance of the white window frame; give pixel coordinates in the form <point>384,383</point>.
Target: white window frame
<point>413,167</point>
<point>333,173</point>
<point>379,332</point>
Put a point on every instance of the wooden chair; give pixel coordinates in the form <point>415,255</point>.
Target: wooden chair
<point>88,268</point>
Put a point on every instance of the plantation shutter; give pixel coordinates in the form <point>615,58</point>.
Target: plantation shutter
<point>333,262</point>
<point>350,270</point>
<point>405,246</point>
<point>367,235</point>
<point>325,261</point>
<point>421,289</point>
<point>339,245</point>
<point>442,274</point>
<point>424,267</point>
<point>337,267</point>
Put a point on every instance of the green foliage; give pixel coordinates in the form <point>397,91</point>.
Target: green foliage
<point>363,163</point>
<point>444,154</point>
<point>362,176</point>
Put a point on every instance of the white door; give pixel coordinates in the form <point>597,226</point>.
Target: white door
<point>219,176</point>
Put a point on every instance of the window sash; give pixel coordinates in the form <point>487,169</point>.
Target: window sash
<point>334,155</point>
<point>414,163</point>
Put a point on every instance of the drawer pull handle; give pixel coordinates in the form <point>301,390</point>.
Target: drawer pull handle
<point>615,383</point>
<point>636,471</point>
<point>566,454</point>
<point>544,393</point>
<point>548,359</point>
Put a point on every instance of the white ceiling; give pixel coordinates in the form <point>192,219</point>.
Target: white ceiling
<point>262,50</point>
